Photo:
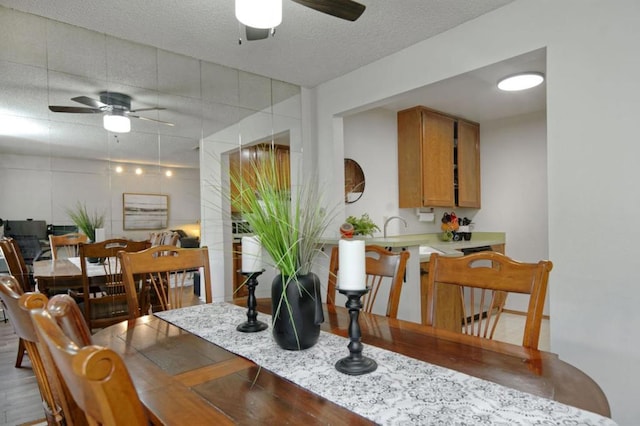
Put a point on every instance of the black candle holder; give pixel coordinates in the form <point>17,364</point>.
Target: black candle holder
<point>355,364</point>
<point>251,325</point>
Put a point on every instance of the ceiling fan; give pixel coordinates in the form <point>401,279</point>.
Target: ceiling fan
<point>344,9</point>
<point>116,108</point>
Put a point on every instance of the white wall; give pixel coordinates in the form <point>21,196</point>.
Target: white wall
<point>43,188</point>
<point>592,92</point>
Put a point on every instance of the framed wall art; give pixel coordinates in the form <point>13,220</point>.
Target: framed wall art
<point>145,211</point>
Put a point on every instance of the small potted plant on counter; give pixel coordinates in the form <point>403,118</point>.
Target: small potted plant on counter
<point>363,225</point>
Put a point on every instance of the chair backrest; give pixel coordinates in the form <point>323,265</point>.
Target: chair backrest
<point>481,283</point>
<point>46,376</point>
<point>69,317</point>
<point>166,269</point>
<point>67,245</point>
<point>16,264</point>
<point>166,238</point>
<point>96,377</point>
<point>381,266</point>
<point>110,304</point>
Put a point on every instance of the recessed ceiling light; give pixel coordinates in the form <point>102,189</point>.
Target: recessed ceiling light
<point>138,171</point>
<point>521,81</point>
<point>168,173</point>
<point>119,169</point>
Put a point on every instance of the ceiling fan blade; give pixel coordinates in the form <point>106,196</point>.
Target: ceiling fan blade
<point>147,109</point>
<point>344,9</point>
<point>89,101</point>
<point>257,33</point>
<point>77,110</point>
<point>151,119</point>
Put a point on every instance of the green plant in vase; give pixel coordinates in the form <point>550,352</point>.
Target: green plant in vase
<point>290,226</point>
<point>85,221</point>
<point>363,225</point>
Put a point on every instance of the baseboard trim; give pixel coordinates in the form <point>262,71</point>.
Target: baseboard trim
<point>524,314</point>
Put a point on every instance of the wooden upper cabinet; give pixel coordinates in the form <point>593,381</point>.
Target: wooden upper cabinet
<point>240,161</point>
<point>432,166</point>
<point>437,159</point>
<point>468,164</point>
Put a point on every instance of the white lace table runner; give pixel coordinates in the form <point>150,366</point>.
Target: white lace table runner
<point>402,390</point>
<point>93,269</point>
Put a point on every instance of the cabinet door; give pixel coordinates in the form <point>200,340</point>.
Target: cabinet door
<point>437,160</point>
<point>241,167</point>
<point>468,164</point>
<point>409,158</point>
<point>239,290</point>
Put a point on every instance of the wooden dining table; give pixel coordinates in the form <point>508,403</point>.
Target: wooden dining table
<point>184,379</point>
<point>60,275</point>
<point>56,276</point>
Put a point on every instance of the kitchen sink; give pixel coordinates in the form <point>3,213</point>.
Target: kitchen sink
<point>429,250</point>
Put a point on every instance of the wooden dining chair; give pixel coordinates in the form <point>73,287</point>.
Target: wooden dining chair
<point>109,304</point>
<point>68,316</point>
<point>474,289</point>
<point>96,377</point>
<point>383,268</point>
<point>167,271</point>
<point>66,245</point>
<point>48,382</point>
<point>18,269</point>
<point>16,264</point>
<point>167,238</point>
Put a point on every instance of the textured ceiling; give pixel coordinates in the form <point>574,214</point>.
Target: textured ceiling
<point>309,47</point>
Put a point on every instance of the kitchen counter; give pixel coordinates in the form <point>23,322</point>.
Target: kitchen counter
<point>410,297</point>
<point>449,248</point>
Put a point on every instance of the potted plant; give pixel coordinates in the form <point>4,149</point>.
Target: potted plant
<point>85,221</point>
<point>290,231</point>
<point>363,225</point>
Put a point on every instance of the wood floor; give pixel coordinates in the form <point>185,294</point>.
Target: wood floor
<point>19,397</point>
<point>20,401</point>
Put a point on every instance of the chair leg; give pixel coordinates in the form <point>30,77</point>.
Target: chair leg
<point>21,351</point>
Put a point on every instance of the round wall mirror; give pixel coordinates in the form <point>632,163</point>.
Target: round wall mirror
<point>353,181</point>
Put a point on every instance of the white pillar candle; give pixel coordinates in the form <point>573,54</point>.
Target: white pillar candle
<point>251,254</point>
<point>100,235</point>
<point>351,265</point>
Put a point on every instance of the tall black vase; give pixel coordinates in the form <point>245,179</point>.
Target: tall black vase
<point>296,305</point>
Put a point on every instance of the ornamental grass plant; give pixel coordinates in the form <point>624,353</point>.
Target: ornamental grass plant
<point>85,221</point>
<point>290,224</point>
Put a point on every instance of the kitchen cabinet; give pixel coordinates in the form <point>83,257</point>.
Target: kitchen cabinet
<point>241,164</point>
<point>239,290</point>
<point>438,160</point>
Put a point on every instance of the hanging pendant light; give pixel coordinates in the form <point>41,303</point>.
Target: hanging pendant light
<point>116,122</point>
<point>521,81</point>
<point>263,14</point>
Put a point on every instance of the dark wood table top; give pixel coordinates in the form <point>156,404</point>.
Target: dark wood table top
<point>183,379</point>
<point>59,268</point>
<point>56,276</point>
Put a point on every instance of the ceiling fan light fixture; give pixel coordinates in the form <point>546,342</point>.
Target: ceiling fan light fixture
<point>116,123</point>
<point>521,81</point>
<point>259,13</point>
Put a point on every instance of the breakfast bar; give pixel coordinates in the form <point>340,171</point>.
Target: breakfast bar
<point>420,247</point>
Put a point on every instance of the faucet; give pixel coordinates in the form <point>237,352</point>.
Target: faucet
<point>384,232</point>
